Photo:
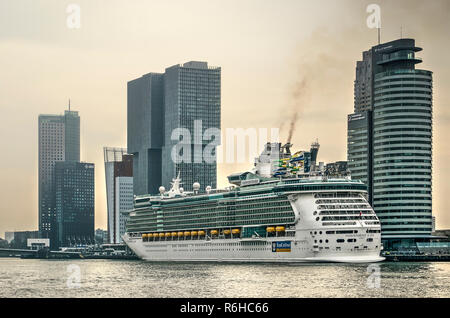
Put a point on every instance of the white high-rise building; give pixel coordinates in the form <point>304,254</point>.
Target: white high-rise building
<point>119,190</point>
<point>124,203</point>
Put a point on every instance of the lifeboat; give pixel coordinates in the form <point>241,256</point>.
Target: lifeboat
<point>161,235</point>
<point>214,232</point>
<point>235,231</point>
<point>226,232</point>
<point>270,229</point>
<point>201,233</point>
<point>194,233</point>
<point>173,234</point>
<point>187,233</point>
<point>180,234</point>
<point>167,235</point>
<point>144,237</point>
<point>280,228</point>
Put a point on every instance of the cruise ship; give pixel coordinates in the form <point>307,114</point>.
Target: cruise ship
<point>287,209</point>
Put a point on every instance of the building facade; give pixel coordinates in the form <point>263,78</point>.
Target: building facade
<point>59,140</point>
<point>192,102</point>
<point>124,203</point>
<point>75,203</point>
<point>185,96</point>
<point>145,130</point>
<point>398,97</point>
<point>119,190</point>
<point>359,147</point>
<point>21,237</point>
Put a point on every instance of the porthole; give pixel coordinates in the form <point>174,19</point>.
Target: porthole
<point>317,218</point>
<point>315,213</point>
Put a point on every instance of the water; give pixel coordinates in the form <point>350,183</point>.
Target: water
<point>117,278</point>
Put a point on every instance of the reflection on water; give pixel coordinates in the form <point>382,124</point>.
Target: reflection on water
<point>115,278</point>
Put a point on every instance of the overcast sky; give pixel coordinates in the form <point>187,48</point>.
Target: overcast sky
<point>265,49</point>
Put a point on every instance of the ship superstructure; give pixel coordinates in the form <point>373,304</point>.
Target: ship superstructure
<point>286,209</point>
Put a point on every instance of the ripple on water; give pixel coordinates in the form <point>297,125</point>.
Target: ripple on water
<point>113,278</point>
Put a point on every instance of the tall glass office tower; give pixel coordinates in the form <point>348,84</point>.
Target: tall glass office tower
<point>74,203</point>
<point>59,140</point>
<point>159,103</point>
<point>192,102</point>
<point>145,130</point>
<point>398,98</point>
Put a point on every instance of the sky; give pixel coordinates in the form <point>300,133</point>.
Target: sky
<point>269,51</point>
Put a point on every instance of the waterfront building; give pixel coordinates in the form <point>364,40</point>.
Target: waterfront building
<point>9,236</point>
<point>21,237</point>
<point>74,197</point>
<point>59,140</point>
<point>101,237</point>
<point>159,103</point>
<point>119,190</point>
<point>191,94</point>
<point>145,130</point>
<point>393,119</point>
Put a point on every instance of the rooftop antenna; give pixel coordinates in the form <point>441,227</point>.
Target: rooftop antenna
<point>401,32</point>
<point>69,104</point>
<point>379,35</point>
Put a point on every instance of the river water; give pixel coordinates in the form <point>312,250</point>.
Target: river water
<point>118,278</point>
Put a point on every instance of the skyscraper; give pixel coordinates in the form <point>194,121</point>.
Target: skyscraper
<point>191,100</point>
<point>393,120</point>
<point>119,190</point>
<point>158,103</point>
<point>59,140</point>
<point>145,130</point>
<point>74,198</point>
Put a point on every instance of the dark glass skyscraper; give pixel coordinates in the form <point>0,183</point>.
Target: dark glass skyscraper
<point>160,103</point>
<point>145,130</point>
<point>191,99</point>
<point>74,201</point>
<point>59,140</point>
<point>393,119</point>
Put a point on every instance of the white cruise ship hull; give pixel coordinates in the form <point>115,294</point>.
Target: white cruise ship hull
<point>250,251</point>
<point>327,226</point>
